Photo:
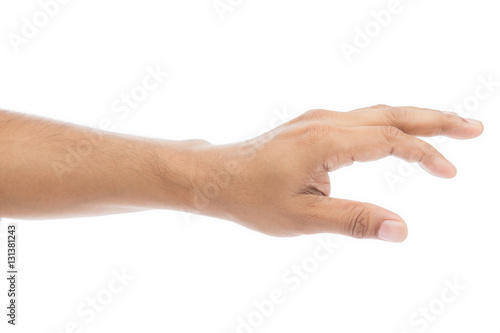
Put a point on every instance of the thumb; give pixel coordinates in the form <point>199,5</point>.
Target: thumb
<point>359,220</point>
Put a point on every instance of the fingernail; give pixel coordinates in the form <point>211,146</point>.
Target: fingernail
<point>392,231</point>
<point>473,122</point>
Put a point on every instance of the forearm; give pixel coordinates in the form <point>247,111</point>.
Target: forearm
<point>54,169</point>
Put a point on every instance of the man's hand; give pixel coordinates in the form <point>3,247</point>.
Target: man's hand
<point>278,183</point>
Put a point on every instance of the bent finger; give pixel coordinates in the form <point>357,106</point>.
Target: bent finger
<point>370,143</point>
<point>357,219</point>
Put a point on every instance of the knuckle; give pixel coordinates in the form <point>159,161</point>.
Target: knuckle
<point>358,221</point>
<point>449,116</point>
<point>417,155</point>
<point>427,148</point>
<point>445,120</point>
<point>427,151</point>
<point>390,133</point>
<point>380,106</point>
<point>317,130</point>
<point>314,114</point>
<point>397,115</point>
<point>450,119</point>
<point>421,151</point>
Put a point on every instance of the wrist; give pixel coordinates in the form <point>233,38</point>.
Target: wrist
<point>201,175</point>
<point>203,178</point>
<point>180,170</point>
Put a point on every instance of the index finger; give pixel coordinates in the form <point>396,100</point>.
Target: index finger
<point>414,121</point>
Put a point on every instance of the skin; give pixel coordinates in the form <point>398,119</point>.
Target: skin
<point>277,183</point>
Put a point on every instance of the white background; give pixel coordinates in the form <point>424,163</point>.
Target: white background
<point>228,80</point>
